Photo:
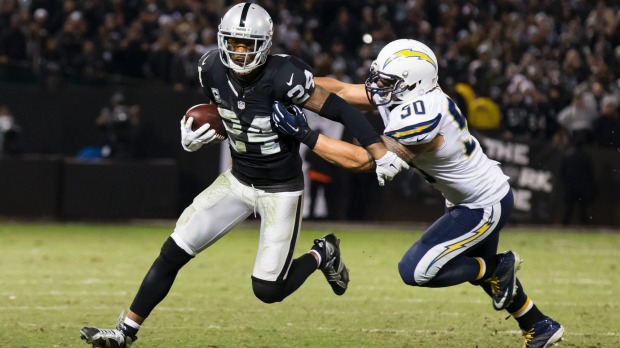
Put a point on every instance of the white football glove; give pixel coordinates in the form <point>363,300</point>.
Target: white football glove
<point>194,140</point>
<point>388,166</point>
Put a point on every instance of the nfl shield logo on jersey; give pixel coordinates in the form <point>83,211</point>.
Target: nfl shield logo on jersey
<point>241,104</point>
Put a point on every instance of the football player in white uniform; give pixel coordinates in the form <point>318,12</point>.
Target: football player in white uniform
<point>461,246</point>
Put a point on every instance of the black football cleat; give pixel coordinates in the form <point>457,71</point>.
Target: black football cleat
<point>504,280</point>
<point>545,333</point>
<point>332,266</point>
<point>108,338</point>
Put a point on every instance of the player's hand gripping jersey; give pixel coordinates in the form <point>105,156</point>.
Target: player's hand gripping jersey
<point>260,157</point>
<point>459,168</point>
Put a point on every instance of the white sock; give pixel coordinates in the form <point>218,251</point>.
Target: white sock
<point>131,323</point>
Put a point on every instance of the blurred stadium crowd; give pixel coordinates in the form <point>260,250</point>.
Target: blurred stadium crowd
<point>534,69</point>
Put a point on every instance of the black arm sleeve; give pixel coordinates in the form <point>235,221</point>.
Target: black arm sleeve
<point>336,109</point>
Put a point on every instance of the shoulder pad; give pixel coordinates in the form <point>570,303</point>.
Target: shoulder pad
<point>293,80</point>
<point>418,121</point>
<point>206,64</point>
<point>208,57</point>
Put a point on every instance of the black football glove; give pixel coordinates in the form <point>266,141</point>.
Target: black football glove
<point>291,120</point>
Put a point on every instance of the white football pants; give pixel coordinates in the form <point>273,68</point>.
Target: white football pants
<point>226,203</point>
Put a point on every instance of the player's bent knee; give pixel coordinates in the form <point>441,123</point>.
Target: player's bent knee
<point>172,252</point>
<point>268,292</point>
<point>407,273</point>
<point>413,276</point>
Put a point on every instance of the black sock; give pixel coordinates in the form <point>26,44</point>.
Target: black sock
<point>129,330</point>
<point>301,269</point>
<point>527,320</point>
<point>491,263</point>
<point>520,303</point>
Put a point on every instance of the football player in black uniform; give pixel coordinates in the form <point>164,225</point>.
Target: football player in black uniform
<point>266,175</point>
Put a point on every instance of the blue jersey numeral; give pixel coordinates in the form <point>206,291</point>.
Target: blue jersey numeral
<point>457,115</point>
<point>469,146</point>
<point>418,109</point>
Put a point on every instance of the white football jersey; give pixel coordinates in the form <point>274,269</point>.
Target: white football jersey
<point>459,169</point>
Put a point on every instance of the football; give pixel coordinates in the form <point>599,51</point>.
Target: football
<point>207,113</point>
<point>399,149</point>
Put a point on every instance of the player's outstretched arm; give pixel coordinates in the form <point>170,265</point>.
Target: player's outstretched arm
<point>354,94</point>
<point>343,154</point>
<point>291,120</point>
<point>331,106</point>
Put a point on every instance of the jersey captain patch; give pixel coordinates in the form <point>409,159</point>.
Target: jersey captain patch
<point>216,95</point>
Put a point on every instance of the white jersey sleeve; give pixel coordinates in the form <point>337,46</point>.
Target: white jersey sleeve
<point>414,123</point>
<point>459,168</point>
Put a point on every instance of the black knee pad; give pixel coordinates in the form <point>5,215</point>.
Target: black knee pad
<point>172,252</point>
<point>268,292</point>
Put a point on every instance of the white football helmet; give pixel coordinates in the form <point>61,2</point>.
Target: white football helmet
<point>249,22</point>
<point>404,69</point>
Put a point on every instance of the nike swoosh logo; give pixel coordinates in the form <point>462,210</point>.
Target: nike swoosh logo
<point>422,138</point>
<point>393,166</point>
<point>500,303</point>
<point>290,82</point>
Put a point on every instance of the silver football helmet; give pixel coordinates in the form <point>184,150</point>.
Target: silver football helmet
<point>404,69</point>
<point>245,21</point>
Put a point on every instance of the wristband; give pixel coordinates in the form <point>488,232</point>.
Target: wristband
<point>308,137</point>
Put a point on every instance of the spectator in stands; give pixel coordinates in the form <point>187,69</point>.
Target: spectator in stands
<point>607,126</point>
<point>9,132</point>
<point>577,118</point>
<point>13,41</point>
<point>130,58</point>
<point>577,174</point>
<point>341,61</point>
<point>556,47</point>
<point>484,71</point>
<point>89,64</point>
<point>36,34</point>
<point>183,71</point>
<point>71,42</point>
<point>160,57</point>
<point>515,117</point>
<point>556,98</point>
<point>601,21</point>
<point>120,124</point>
<point>287,32</point>
<point>346,29</point>
<point>52,63</point>
<point>310,48</point>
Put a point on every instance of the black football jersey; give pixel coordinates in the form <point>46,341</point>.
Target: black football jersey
<point>260,155</point>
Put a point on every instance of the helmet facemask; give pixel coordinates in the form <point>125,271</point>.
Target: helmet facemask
<point>254,58</point>
<point>383,89</point>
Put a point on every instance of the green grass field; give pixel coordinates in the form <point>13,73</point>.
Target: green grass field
<point>55,278</point>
